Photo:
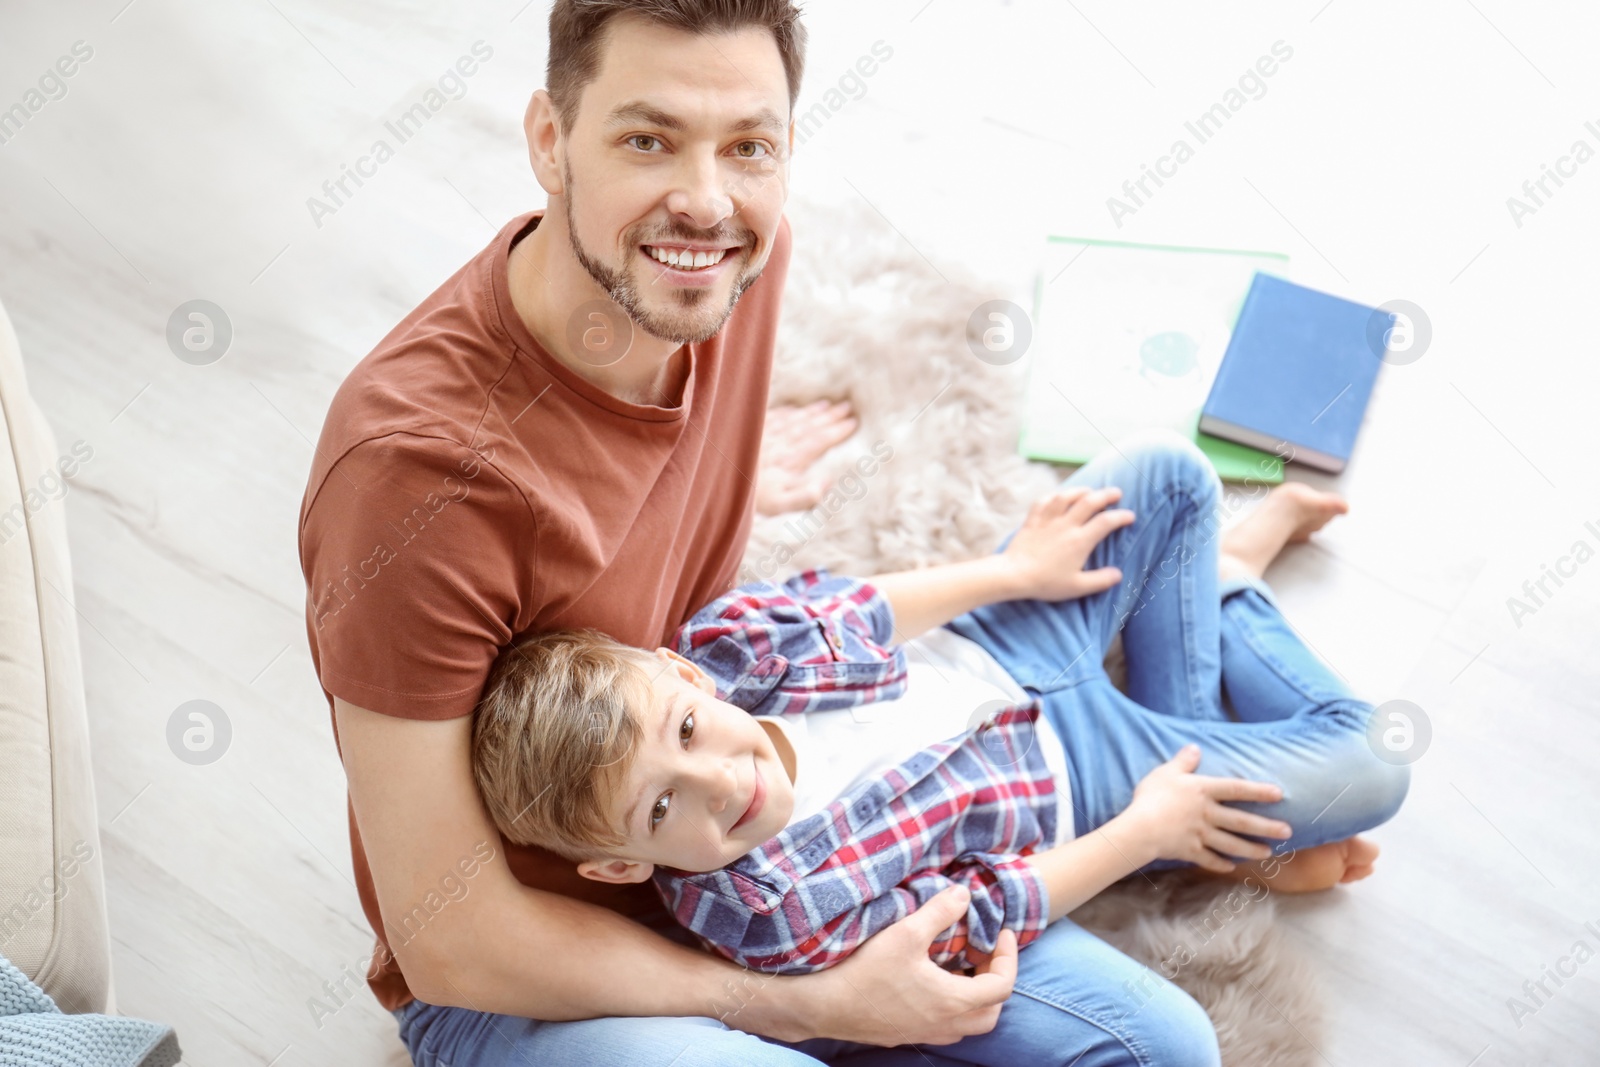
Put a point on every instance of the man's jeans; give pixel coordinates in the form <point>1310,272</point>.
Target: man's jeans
<point>1187,637</point>
<point>1077,1001</point>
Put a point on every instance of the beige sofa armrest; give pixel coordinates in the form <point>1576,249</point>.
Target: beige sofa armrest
<point>52,888</point>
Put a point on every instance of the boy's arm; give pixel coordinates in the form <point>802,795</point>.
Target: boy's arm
<point>1077,870</point>
<point>929,597</point>
<point>1175,814</point>
<point>824,917</point>
<point>418,811</point>
<point>1044,560</point>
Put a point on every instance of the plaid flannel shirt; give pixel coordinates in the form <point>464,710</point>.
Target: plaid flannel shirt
<point>963,811</point>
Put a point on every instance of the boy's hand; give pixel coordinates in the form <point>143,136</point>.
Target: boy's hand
<point>1047,555</point>
<point>980,962</point>
<point>1179,815</point>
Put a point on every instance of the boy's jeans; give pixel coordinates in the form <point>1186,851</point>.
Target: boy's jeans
<point>1188,638</point>
<point>1077,1000</point>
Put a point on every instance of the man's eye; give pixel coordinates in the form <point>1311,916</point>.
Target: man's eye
<point>649,142</point>
<point>659,812</point>
<point>686,731</point>
<point>760,149</point>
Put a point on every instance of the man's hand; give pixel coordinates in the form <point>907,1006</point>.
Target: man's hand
<point>890,992</point>
<point>794,439</point>
<point>1047,555</point>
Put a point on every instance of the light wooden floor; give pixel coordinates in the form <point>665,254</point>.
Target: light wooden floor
<point>178,164</point>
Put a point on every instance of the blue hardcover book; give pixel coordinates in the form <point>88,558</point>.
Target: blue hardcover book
<point>1297,373</point>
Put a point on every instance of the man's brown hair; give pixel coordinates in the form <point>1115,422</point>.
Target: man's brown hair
<point>553,738</point>
<point>577,32</point>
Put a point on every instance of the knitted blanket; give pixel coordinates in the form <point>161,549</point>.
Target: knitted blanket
<point>35,1033</point>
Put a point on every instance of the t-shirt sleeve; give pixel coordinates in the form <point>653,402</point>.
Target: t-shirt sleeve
<point>418,556</point>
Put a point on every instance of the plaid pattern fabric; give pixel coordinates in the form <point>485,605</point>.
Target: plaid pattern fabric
<point>962,811</point>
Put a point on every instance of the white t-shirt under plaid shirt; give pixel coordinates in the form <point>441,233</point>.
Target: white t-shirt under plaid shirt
<point>951,684</point>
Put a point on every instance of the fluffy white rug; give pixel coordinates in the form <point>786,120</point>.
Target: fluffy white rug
<point>867,319</point>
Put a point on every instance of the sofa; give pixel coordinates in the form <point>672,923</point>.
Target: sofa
<point>53,924</point>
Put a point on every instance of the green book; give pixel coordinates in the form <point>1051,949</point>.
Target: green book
<point>1128,336</point>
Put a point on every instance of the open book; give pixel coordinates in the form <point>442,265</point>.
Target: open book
<point>1128,336</point>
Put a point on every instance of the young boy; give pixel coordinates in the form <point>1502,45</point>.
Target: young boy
<point>797,773</point>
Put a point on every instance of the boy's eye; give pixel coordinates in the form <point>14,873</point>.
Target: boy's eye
<point>760,149</point>
<point>659,812</point>
<point>686,731</point>
<point>643,141</point>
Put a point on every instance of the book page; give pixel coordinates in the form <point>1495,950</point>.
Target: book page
<point>1130,336</point>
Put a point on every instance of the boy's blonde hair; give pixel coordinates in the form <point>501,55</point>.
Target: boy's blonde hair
<point>554,736</point>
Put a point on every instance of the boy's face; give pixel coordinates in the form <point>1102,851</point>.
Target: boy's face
<point>706,786</point>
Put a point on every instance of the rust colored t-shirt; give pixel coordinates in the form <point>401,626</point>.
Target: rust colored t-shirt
<point>469,488</point>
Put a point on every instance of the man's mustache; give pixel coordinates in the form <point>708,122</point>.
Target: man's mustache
<point>690,236</point>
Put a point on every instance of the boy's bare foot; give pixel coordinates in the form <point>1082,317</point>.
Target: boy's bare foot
<point>1291,513</point>
<point>1307,870</point>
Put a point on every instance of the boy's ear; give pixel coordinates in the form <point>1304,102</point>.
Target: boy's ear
<point>689,672</point>
<point>617,872</point>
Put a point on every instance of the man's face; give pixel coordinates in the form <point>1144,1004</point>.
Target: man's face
<point>706,785</point>
<point>676,171</point>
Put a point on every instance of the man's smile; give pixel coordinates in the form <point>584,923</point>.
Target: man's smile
<point>689,264</point>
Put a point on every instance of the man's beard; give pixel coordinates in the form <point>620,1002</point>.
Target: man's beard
<point>693,321</point>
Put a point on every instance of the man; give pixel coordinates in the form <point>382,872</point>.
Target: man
<point>565,434</point>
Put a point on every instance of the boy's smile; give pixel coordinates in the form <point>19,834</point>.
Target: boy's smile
<point>758,798</point>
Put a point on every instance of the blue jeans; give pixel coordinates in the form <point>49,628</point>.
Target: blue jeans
<point>1077,1002</point>
<point>1189,639</point>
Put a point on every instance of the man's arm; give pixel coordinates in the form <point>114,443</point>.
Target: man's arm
<point>418,810</point>
<point>1043,561</point>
